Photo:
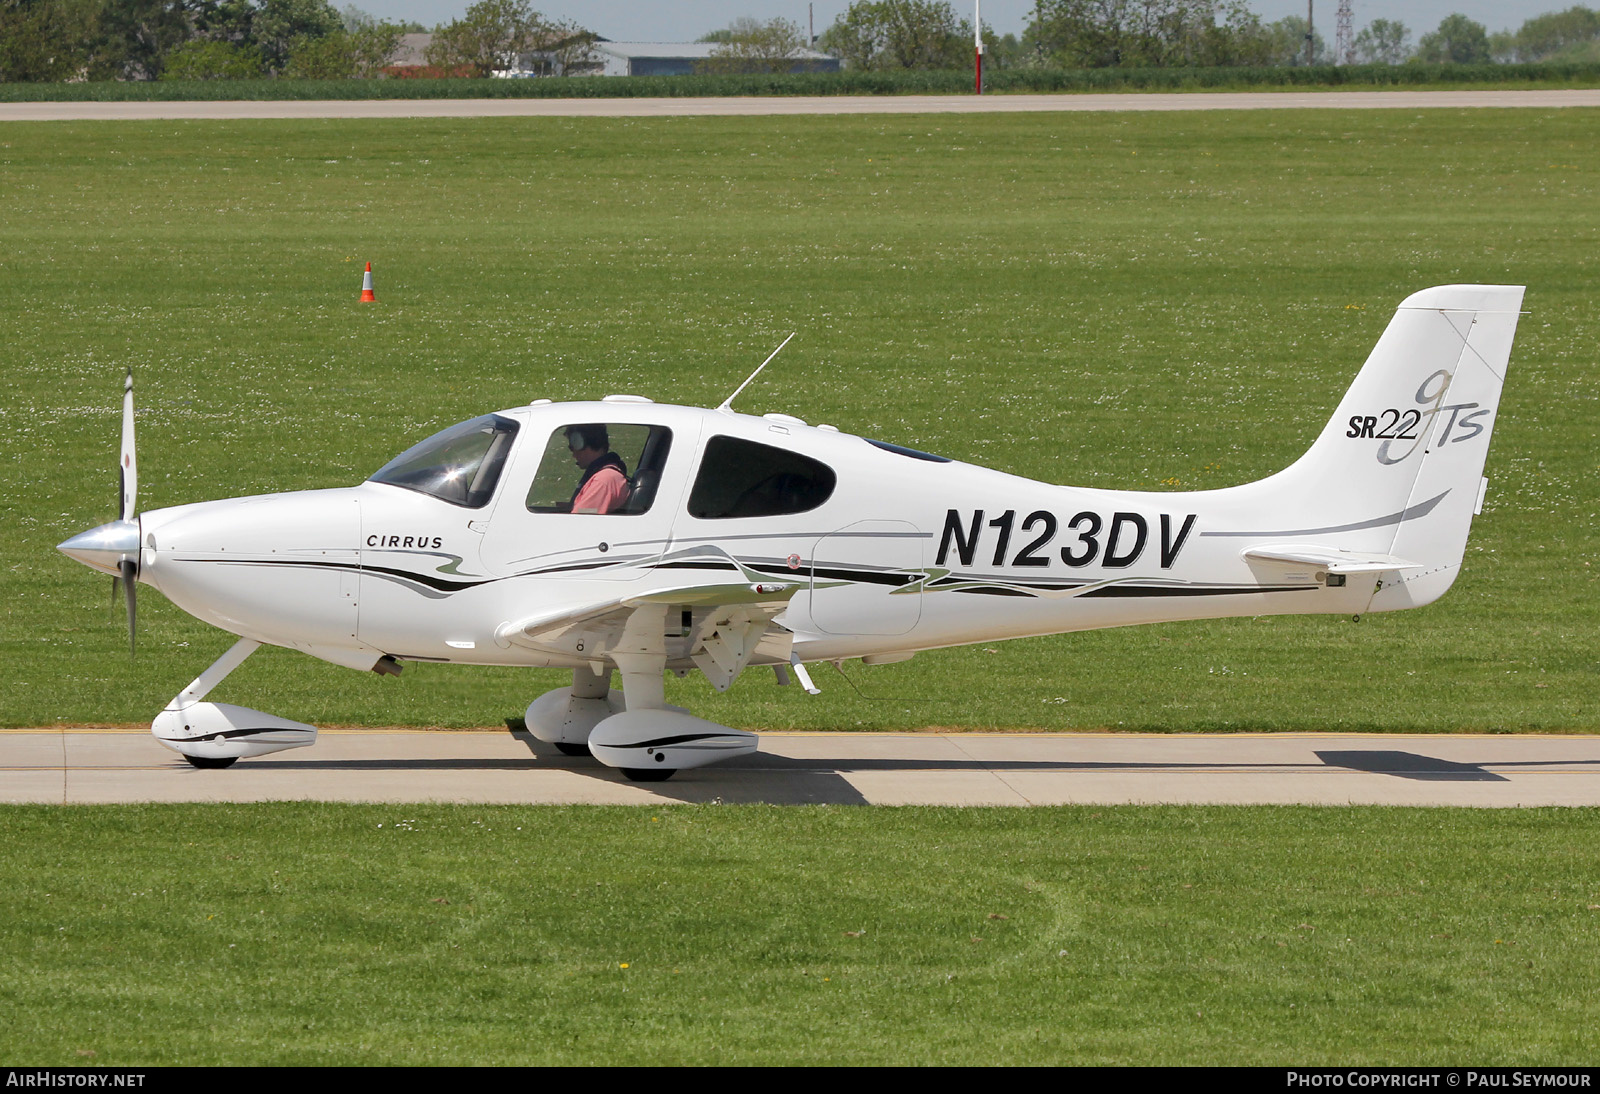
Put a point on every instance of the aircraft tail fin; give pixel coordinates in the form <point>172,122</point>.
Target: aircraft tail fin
<point>1397,474</point>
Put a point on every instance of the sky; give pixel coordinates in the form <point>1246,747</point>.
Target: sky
<point>666,21</point>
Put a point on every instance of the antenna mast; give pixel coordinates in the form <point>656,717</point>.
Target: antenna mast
<point>727,404</point>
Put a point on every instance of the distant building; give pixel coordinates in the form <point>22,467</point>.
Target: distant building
<point>411,60</point>
<point>603,59</point>
<point>412,48</point>
<point>411,63</point>
<point>681,58</point>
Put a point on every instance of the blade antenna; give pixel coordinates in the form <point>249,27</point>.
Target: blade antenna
<point>727,404</point>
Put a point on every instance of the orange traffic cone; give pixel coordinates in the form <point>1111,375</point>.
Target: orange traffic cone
<point>366,286</point>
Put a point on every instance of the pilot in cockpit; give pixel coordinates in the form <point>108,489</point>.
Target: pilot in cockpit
<point>604,485</point>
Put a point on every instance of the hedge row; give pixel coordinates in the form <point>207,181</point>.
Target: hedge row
<point>817,83</point>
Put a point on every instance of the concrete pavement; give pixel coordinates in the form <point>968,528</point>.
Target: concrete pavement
<point>81,766</point>
<point>795,104</point>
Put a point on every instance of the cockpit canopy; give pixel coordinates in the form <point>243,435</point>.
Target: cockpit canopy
<point>460,465</point>
<point>736,478</point>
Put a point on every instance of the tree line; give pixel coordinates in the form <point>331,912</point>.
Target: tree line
<point>62,40</point>
<point>57,40</point>
<point>53,40</point>
<point>887,34</point>
<point>1571,36</point>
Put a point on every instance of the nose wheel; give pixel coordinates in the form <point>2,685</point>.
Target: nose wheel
<point>207,762</point>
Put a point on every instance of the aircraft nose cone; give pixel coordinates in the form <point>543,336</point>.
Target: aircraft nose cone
<point>103,547</point>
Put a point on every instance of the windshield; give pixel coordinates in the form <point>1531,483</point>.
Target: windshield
<point>460,465</point>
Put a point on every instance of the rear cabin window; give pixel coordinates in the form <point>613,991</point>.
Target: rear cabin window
<point>740,478</point>
<point>600,468</point>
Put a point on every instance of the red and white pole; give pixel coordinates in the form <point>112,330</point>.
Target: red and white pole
<point>977,47</point>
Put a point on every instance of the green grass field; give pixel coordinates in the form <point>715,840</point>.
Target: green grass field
<point>320,934</point>
<point>1131,300</point>
<point>1145,301</point>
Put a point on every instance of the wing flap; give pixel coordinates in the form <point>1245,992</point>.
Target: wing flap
<point>775,593</point>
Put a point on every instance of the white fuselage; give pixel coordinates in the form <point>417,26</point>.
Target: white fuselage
<point>906,553</point>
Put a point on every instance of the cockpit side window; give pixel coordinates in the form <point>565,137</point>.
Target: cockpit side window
<point>600,468</point>
<point>460,465</point>
<point>739,478</point>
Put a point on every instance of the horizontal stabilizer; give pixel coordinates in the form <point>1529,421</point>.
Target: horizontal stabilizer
<point>1332,559</point>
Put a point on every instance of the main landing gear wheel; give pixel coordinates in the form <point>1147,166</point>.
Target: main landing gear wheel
<point>571,748</point>
<point>211,761</point>
<point>649,774</point>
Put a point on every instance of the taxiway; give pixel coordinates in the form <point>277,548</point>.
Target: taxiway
<point>83,766</point>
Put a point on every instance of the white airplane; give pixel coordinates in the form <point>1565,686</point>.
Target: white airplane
<point>714,540</point>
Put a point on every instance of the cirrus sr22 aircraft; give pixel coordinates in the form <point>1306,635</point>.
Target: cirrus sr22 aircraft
<point>727,541</point>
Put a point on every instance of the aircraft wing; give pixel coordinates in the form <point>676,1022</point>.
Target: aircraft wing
<point>718,627</point>
<point>1335,560</point>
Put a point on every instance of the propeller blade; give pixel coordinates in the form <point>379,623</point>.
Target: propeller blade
<point>129,570</point>
<point>130,462</point>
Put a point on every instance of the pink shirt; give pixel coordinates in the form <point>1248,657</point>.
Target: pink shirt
<point>606,490</point>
